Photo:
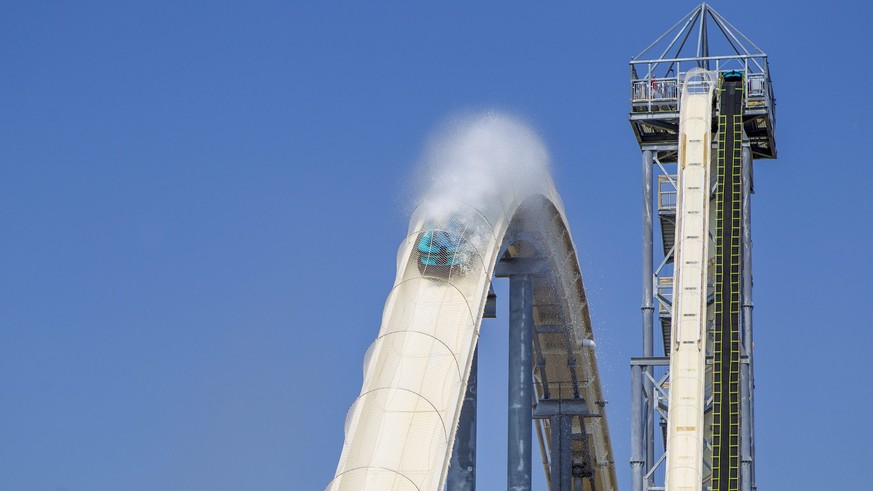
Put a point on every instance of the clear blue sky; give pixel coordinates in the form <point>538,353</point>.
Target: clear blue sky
<point>175,175</point>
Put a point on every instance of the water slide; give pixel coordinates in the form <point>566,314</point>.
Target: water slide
<point>685,424</point>
<point>400,430</point>
<point>727,280</point>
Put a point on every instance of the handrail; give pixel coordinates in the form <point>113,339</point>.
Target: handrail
<point>698,58</point>
<point>660,94</point>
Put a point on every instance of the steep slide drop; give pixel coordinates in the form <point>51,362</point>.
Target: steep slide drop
<point>728,270</point>
<point>685,424</point>
<point>400,430</point>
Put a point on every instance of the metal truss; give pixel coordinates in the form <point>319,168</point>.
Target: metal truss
<point>702,38</point>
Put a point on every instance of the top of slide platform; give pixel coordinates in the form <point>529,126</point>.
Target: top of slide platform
<point>701,39</point>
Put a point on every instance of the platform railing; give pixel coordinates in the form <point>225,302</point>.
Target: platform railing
<point>654,94</point>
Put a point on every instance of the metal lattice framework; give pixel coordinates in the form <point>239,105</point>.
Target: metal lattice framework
<point>657,71</point>
<point>701,39</point>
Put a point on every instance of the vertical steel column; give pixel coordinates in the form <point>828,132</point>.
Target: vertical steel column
<point>747,374</point>
<point>637,461</point>
<point>555,474</point>
<point>462,469</point>
<point>561,468</point>
<point>520,382</point>
<point>648,307</point>
<point>566,430</point>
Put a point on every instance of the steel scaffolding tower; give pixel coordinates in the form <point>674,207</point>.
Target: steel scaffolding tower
<point>745,123</point>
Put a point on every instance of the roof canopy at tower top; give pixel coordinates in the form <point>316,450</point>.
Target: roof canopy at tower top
<point>691,42</point>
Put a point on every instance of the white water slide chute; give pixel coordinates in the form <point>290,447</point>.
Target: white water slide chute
<point>688,376</point>
<point>400,431</point>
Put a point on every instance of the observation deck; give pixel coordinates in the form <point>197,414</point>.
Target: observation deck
<point>656,76</point>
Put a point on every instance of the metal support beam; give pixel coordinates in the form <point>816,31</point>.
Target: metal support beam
<point>490,311</point>
<point>655,361</point>
<point>648,307</point>
<point>555,453</point>
<point>637,462</point>
<point>462,468</point>
<point>562,459</point>
<point>747,380</point>
<point>509,267</point>
<point>563,407</point>
<point>566,428</point>
<point>520,382</point>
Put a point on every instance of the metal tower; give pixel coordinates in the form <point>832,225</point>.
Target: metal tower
<point>744,125</point>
